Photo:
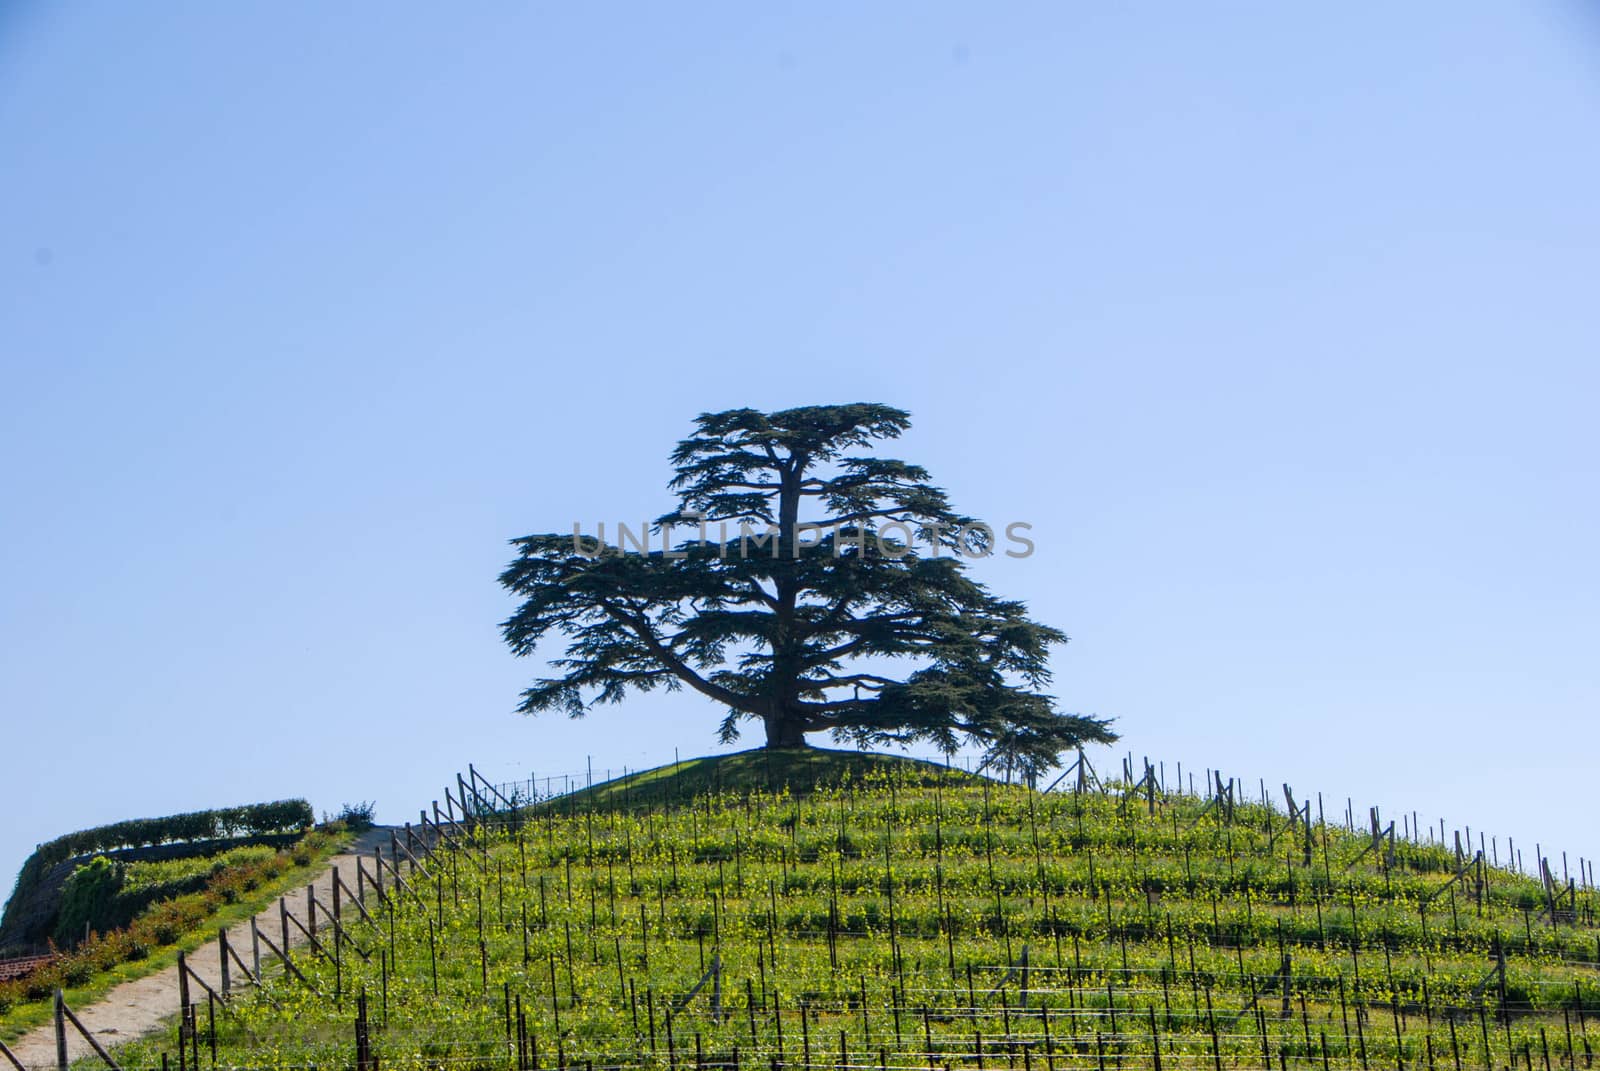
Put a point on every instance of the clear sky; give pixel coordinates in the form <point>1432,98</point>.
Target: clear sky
<point>1278,324</point>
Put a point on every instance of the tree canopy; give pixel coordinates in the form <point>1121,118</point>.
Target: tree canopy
<point>823,588</point>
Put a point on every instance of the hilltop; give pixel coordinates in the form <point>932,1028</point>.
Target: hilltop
<point>798,772</point>
<point>837,910</point>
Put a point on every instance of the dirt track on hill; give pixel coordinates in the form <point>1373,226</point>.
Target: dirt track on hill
<point>135,1008</point>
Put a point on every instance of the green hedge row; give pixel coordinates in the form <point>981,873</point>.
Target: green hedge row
<point>252,819</point>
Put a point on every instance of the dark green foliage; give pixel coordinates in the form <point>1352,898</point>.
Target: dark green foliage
<point>357,817</point>
<point>857,619</point>
<point>86,900</point>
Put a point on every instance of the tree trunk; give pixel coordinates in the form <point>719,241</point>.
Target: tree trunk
<point>785,733</point>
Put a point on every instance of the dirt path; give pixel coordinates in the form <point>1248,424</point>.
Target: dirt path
<point>137,1007</point>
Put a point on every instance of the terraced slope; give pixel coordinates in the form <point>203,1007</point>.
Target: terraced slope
<point>907,916</point>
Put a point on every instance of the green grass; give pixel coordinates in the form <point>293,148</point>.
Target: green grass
<point>23,1017</point>
<point>893,901</point>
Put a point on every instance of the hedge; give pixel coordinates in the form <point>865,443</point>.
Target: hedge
<point>249,820</point>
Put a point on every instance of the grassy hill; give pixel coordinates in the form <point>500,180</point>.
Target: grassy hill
<point>830,909</point>
<point>760,770</point>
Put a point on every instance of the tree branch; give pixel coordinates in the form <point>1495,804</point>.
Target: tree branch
<point>680,669</point>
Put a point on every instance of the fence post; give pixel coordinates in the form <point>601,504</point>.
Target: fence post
<point>183,981</point>
<point>63,1015</point>
<point>185,1022</point>
<point>222,948</point>
<point>361,1032</point>
<point>61,1032</point>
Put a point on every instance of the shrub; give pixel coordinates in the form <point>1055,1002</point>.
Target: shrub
<point>357,817</point>
<point>108,950</point>
<point>77,970</point>
<point>42,983</point>
<point>86,899</point>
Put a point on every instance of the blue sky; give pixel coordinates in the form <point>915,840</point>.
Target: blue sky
<point>1277,324</point>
